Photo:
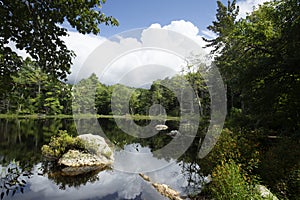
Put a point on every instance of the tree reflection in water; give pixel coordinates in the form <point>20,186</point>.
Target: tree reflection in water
<point>20,156</point>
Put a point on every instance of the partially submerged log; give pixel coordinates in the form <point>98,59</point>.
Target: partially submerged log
<point>163,189</point>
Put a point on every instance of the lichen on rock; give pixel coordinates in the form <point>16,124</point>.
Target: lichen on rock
<point>97,145</point>
<point>75,158</point>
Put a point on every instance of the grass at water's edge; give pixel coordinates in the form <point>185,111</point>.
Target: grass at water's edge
<point>85,116</point>
<point>32,116</point>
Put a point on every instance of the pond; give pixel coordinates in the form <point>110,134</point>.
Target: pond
<point>26,175</point>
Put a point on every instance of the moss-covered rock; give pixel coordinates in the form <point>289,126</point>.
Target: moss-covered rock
<point>78,155</point>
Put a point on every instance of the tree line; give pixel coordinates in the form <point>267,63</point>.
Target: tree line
<point>33,92</point>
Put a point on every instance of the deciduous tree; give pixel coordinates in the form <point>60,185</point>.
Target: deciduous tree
<point>36,26</point>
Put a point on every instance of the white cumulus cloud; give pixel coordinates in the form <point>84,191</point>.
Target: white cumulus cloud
<point>184,27</point>
<point>82,45</point>
<point>247,6</point>
<point>122,58</point>
<point>21,53</point>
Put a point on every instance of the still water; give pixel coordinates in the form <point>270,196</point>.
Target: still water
<point>26,175</point>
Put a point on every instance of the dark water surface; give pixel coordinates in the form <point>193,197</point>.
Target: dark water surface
<point>24,174</point>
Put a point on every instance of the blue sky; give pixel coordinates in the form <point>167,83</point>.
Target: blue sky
<point>142,13</point>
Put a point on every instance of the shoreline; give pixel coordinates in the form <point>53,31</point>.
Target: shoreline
<point>86,116</point>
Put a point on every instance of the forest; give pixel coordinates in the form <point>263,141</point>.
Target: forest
<point>33,92</point>
<point>258,57</point>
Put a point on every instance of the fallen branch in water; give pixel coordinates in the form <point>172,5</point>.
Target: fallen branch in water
<point>163,189</point>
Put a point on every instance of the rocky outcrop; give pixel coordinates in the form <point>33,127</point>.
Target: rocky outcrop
<point>98,155</point>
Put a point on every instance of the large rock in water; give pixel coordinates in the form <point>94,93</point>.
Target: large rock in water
<point>98,156</point>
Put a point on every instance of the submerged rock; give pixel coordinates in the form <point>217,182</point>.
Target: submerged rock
<point>75,171</point>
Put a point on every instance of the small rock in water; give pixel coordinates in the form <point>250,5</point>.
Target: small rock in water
<point>161,127</point>
<point>173,133</point>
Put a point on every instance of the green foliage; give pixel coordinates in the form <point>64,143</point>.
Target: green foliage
<point>241,147</point>
<point>120,99</point>
<point>228,183</point>
<point>9,64</point>
<point>293,184</point>
<point>280,168</point>
<point>60,144</point>
<point>89,95</point>
<point>223,26</point>
<point>35,92</point>
<point>84,95</point>
<point>258,59</point>
<point>36,27</point>
<point>103,99</point>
